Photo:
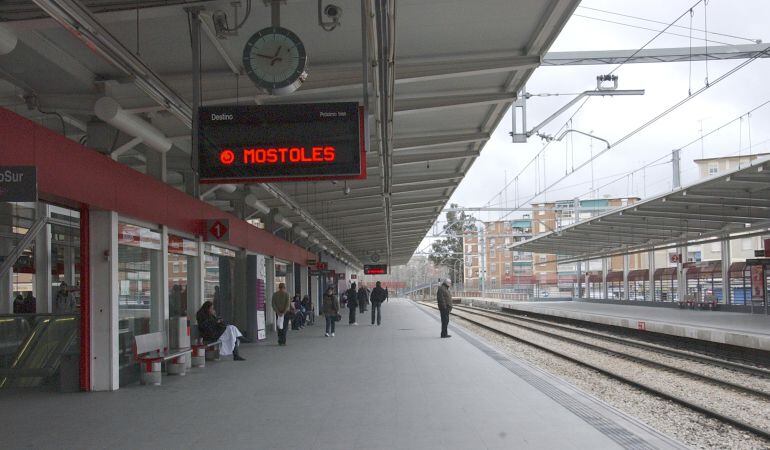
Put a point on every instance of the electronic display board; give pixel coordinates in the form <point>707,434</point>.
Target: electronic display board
<point>265,143</point>
<point>375,269</point>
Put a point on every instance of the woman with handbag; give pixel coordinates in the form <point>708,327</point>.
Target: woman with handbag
<point>331,309</point>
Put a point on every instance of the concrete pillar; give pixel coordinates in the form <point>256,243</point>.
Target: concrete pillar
<point>240,290</point>
<point>579,279</point>
<point>196,275</point>
<point>726,257</point>
<point>651,276</point>
<point>6,246</point>
<point>159,286</point>
<point>681,280</point>
<point>103,245</point>
<point>270,288</point>
<point>605,269</point>
<point>305,289</point>
<point>43,286</point>
<point>626,291</point>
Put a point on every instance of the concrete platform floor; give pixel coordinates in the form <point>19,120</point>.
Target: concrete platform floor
<point>741,329</point>
<point>397,386</point>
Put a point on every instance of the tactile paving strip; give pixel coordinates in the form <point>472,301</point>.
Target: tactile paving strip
<point>621,435</point>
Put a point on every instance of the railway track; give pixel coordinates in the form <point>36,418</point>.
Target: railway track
<point>655,348</point>
<point>689,380</point>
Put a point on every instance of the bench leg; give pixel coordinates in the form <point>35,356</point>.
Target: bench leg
<point>150,373</point>
<point>212,354</point>
<point>177,366</point>
<point>199,357</point>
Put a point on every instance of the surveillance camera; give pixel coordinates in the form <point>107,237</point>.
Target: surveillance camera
<point>221,29</point>
<point>333,12</point>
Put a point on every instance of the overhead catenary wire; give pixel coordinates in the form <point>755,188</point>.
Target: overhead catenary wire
<point>639,27</point>
<point>664,23</point>
<point>648,123</point>
<point>542,150</point>
<point>545,146</point>
<point>656,36</point>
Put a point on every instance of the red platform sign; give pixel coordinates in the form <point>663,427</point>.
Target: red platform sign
<point>217,230</point>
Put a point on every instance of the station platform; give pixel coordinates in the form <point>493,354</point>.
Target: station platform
<point>396,386</point>
<point>739,329</point>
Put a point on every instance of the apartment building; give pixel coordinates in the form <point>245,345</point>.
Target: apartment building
<point>554,215</point>
<point>500,267</point>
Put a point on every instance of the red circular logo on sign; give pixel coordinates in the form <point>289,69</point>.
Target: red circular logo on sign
<point>227,157</point>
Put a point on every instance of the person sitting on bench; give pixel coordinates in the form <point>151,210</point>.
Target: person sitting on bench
<point>212,328</point>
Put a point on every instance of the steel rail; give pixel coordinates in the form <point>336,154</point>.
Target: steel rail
<point>639,359</point>
<point>642,386</point>
<point>754,370</point>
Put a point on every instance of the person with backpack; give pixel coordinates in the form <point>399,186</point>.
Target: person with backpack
<point>362,298</point>
<point>378,296</point>
<point>330,310</point>
<point>352,304</point>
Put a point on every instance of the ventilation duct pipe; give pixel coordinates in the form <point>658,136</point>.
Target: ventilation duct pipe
<point>8,40</point>
<point>108,110</point>
<point>257,204</point>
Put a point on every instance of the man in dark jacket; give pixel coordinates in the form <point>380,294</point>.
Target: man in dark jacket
<point>281,305</point>
<point>352,304</point>
<point>444,299</point>
<point>378,296</point>
<point>362,298</point>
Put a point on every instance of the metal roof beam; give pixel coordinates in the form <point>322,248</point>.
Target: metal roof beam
<point>656,55</point>
<point>734,214</point>
<point>401,158</point>
<point>437,103</point>
<point>414,143</point>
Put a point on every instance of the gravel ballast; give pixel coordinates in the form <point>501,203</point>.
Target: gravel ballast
<point>685,425</point>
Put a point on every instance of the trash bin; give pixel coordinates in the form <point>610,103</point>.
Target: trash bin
<point>69,372</point>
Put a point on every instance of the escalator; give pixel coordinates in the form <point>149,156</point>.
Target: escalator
<point>37,360</point>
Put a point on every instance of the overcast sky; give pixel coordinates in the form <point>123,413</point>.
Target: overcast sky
<point>613,117</point>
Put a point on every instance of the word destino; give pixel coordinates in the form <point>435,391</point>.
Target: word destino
<point>280,155</point>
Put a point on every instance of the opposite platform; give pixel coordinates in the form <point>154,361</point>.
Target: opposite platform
<point>739,329</point>
<point>397,386</point>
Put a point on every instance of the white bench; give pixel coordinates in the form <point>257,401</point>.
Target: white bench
<point>150,351</point>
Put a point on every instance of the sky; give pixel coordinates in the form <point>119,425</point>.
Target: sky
<point>615,173</point>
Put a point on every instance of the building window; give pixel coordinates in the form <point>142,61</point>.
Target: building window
<point>493,267</point>
<point>713,168</point>
<point>542,258</point>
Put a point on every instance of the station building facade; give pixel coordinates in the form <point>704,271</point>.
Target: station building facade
<point>108,253</point>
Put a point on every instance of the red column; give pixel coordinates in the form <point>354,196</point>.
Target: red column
<point>85,302</point>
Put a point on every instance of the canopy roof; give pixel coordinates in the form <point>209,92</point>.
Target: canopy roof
<point>737,203</point>
<point>457,67</point>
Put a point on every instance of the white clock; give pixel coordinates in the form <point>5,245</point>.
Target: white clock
<point>275,59</point>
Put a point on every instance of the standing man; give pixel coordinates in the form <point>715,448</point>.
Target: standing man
<point>362,298</point>
<point>378,296</point>
<point>281,306</point>
<point>352,304</point>
<point>444,299</point>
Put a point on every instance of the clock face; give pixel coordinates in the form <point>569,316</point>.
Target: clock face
<point>275,60</point>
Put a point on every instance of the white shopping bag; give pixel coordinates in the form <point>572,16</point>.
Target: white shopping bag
<point>279,321</point>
